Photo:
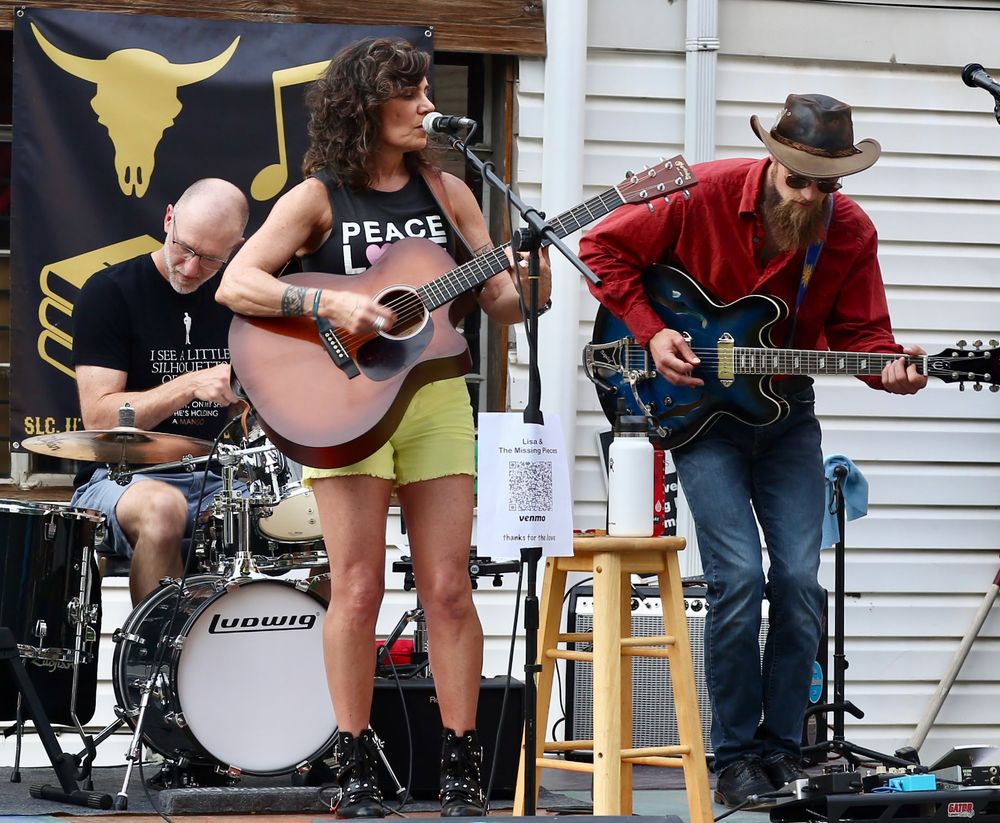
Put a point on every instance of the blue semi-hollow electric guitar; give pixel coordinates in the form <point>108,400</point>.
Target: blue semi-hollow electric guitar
<point>737,361</point>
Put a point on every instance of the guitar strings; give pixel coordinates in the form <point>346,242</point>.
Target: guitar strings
<point>637,359</point>
<point>495,260</point>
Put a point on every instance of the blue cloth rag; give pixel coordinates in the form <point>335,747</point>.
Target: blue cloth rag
<point>854,487</point>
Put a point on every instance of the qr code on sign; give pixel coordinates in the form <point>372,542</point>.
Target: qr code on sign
<point>530,486</point>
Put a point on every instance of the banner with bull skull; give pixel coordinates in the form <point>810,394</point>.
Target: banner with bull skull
<point>114,116</point>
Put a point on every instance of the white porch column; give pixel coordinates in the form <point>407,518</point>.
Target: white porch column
<point>562,188</point>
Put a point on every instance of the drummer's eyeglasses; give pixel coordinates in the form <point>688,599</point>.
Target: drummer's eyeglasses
<point>826,186</point>
<point>208,263</point>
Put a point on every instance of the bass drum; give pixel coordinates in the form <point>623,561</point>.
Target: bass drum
<point>242,681</point>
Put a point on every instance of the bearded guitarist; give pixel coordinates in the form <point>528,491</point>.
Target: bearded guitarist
<point>778,227</point>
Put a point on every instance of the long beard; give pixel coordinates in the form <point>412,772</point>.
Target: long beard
<point>791,226</point>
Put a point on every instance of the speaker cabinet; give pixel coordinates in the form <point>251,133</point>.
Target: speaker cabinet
<point>414,717</point>
<point>654,716</point>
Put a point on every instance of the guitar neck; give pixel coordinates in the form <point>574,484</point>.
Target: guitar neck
<point>746,360</point>
<point>480,269</point>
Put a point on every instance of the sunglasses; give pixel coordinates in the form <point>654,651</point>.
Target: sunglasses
<point>797,181</point>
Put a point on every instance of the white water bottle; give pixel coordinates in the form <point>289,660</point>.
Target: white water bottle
<point>630,478</point>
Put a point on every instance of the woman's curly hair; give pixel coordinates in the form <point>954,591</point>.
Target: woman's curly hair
<point>344,107</point>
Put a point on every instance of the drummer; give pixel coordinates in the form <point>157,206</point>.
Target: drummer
<point>148,332</point>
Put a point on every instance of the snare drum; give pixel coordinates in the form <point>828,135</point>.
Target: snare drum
<point>50,600</point>
<point>242,681</point>
<point>293,518</point>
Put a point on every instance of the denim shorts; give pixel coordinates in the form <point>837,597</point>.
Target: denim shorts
<point>434,439</point>
<point>103,494</point>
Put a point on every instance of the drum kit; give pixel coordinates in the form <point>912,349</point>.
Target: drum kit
<point>222,668</point>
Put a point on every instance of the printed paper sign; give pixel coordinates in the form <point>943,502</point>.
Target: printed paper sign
<point>524,496</point>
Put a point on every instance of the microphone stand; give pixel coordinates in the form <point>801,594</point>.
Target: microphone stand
<point>530,239</point>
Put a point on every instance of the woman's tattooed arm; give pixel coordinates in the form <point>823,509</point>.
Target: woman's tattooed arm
<point>293,301</point>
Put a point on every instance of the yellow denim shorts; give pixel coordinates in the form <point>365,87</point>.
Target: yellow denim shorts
<point>434,439</point>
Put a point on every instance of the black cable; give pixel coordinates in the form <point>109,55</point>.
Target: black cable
<point>753,800</point>
<point>562,703</point>
<point>409,734</point>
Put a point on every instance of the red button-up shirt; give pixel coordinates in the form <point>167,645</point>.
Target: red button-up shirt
<point>715,237</point>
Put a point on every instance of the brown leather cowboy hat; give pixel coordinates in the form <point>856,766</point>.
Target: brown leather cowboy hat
<point>813,136</point>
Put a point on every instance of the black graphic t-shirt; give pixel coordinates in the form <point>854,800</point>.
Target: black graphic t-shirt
<point>129,318</point>
<point>367,222</point>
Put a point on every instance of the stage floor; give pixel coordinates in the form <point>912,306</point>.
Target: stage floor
<point>658,793</point>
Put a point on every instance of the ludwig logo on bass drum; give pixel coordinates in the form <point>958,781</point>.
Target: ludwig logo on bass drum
<point>272,623</point>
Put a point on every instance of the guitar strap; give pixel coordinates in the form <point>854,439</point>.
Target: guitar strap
<point>432,177</point>
<point>808,267</point>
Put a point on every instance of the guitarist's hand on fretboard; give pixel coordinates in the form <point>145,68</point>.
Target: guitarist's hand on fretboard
<point>902,376</point>
<point>674,358</point>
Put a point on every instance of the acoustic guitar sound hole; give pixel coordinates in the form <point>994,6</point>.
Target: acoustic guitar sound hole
<point>410,313</point>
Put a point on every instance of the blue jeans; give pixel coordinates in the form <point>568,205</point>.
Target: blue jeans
<point>728,474</point>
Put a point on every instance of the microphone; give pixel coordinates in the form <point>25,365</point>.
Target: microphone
<point>437,123</point>
<point>974,75</point>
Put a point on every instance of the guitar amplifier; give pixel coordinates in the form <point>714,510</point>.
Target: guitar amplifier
<point>654,718</point>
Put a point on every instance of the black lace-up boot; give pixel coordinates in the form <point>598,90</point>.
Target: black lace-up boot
<point>357,776</point>
<point>461,763</point>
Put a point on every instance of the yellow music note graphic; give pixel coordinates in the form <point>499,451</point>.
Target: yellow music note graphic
<point>271,179</point>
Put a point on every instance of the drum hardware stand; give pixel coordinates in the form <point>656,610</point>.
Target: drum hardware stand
<point>63,764</point>
<point>236,523</point>
<point>415,616</point>
<point>135,747</point>
<point>841,706</point>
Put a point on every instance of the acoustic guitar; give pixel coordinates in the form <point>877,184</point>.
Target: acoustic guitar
<point>327,397</point>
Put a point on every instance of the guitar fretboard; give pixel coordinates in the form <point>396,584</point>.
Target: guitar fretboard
<point>480,269</point>
<point>747,360</point>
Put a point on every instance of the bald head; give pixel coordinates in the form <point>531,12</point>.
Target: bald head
<point>203,229</point>
<point>216,202</point>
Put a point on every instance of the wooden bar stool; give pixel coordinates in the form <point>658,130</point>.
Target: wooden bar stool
<point>611,560</point>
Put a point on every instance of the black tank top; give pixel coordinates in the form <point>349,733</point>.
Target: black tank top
<point>365,223</point>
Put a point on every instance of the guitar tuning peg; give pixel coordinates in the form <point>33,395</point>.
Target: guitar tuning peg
<point>994,387</point>
<point>994,343</point>
<point>645,167</point>
<point>650,207</point>
<point>663,159</point>
<point>977,386</point>
<point>630,173</point>
<point>978,344</point>
<point>961,344</point>
<point>687,194</point>
<point>961,386</point>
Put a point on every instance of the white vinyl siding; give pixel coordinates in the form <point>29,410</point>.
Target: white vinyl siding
<point>920,563</point>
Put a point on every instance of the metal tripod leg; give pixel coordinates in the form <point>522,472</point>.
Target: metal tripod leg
<point>379,747</point>
<point>15,775</point>
<point>135,747</point>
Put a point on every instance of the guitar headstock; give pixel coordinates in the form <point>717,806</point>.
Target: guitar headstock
<point>963,365</point>
<point>654,182</point>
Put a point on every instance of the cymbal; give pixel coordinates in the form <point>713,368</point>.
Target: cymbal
<point>123,444</point>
